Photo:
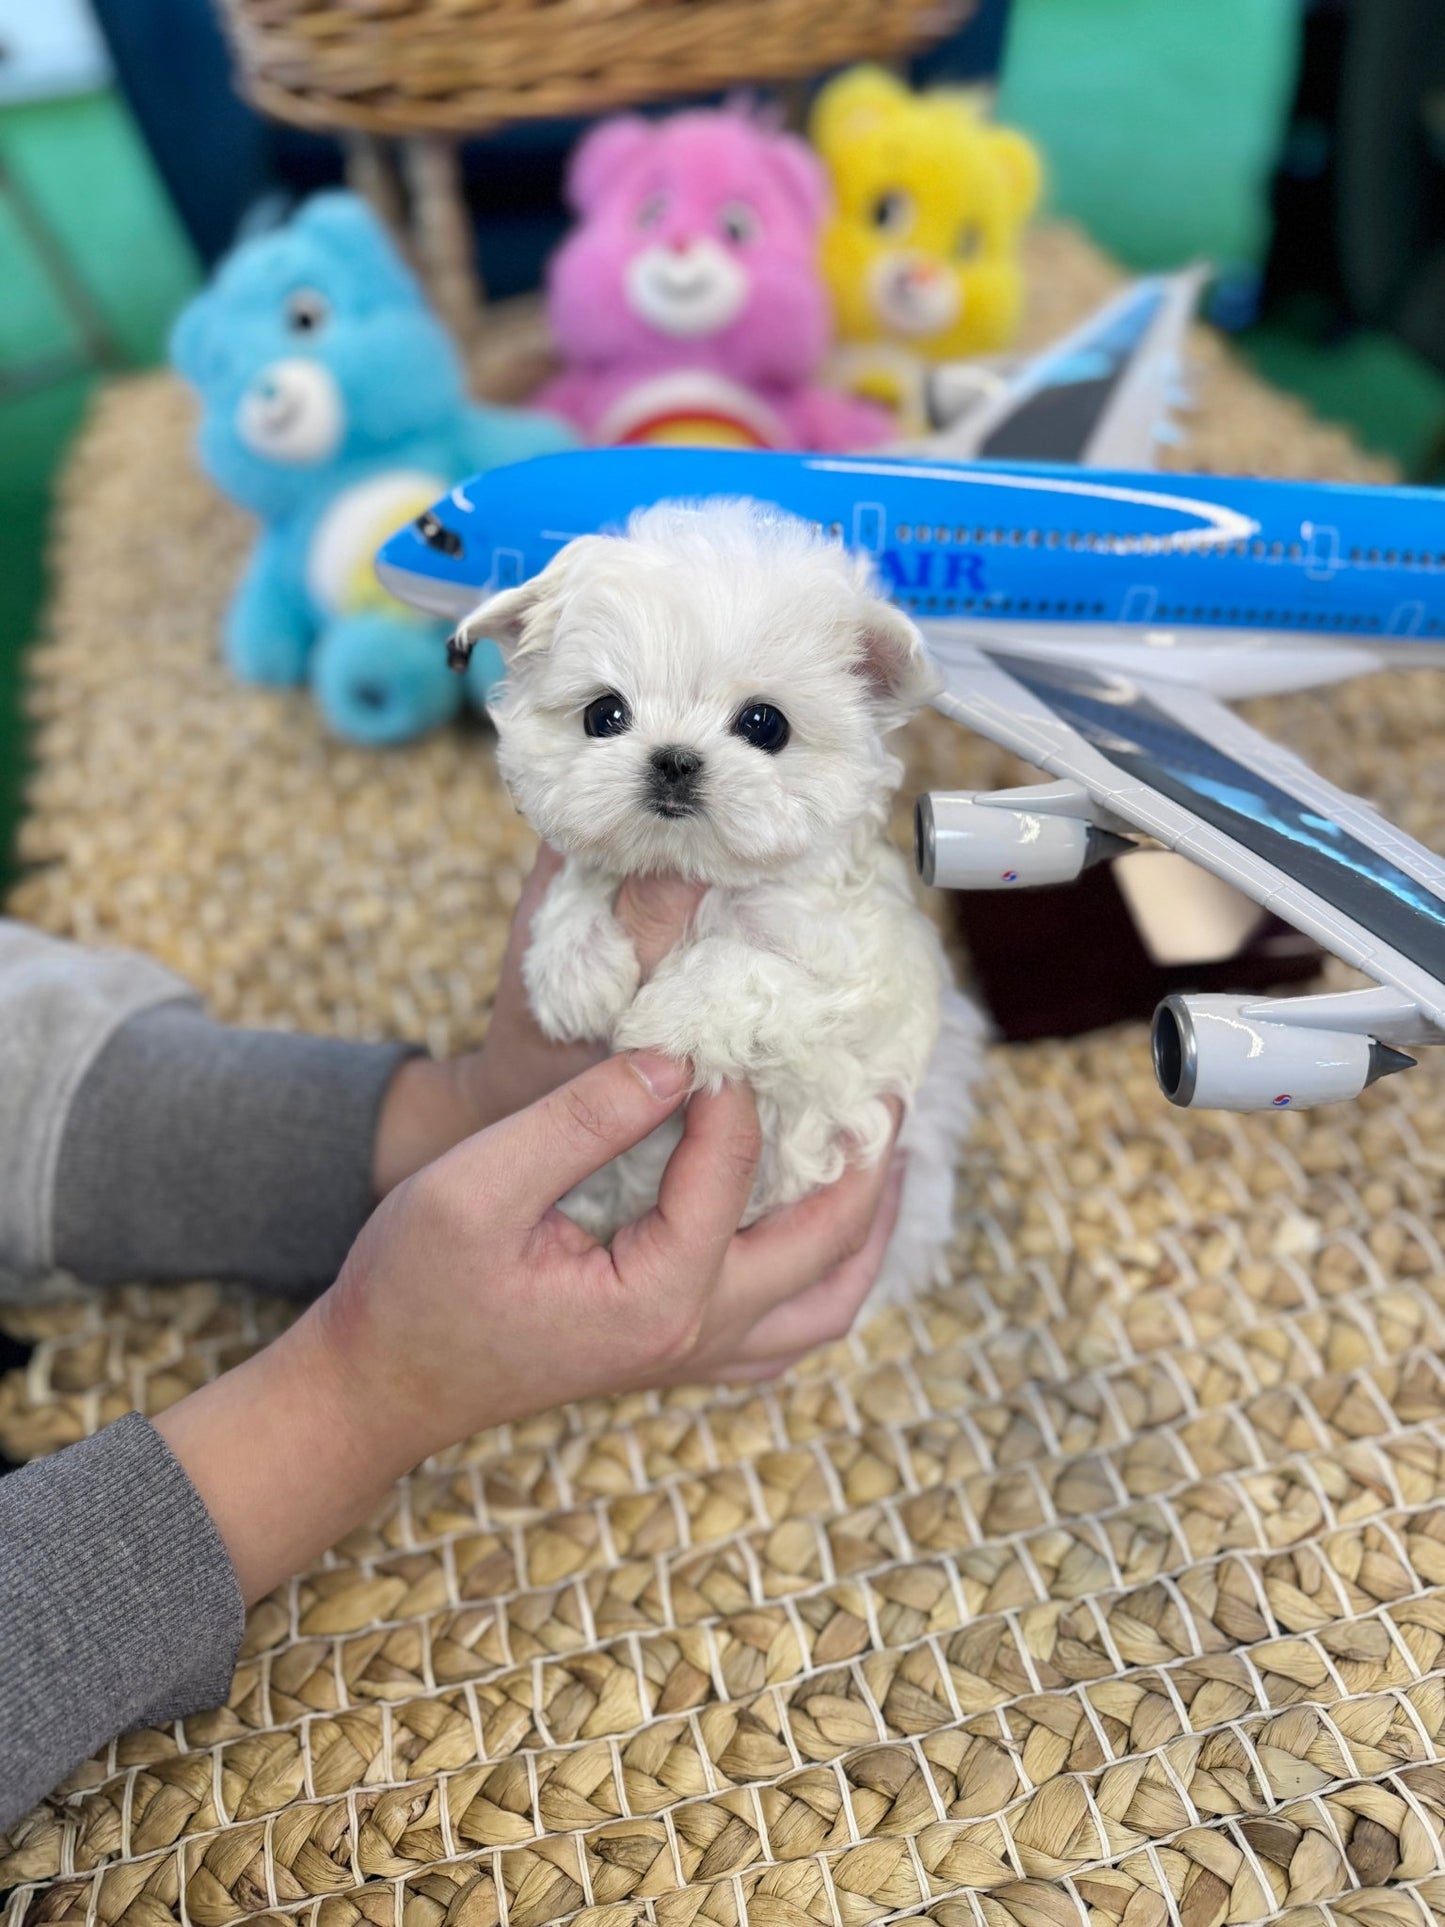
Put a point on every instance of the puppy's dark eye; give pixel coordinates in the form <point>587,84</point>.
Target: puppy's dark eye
<point>607,716</point>
<point>763,726</point>
<point>307,312</point>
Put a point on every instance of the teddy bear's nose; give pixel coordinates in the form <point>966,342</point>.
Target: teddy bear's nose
<point>680,243</point>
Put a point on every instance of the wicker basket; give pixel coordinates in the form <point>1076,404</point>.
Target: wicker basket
<point>405,67</point>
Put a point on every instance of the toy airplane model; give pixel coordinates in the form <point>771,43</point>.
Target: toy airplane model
<point>1096,621</point>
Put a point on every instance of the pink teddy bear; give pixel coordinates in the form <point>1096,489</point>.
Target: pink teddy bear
<point>688,301</point>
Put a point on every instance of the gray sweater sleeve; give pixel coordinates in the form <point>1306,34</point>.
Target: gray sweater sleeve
<point>118,1604</point>
<point>59,1007</point>
<point>140,1139</point>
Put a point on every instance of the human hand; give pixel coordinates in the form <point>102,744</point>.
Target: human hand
<point>470,1300</point>
<point>681,1295</point>
<point>431,1105</point>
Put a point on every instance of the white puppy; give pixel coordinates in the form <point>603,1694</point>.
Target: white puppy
<point>708,695</point>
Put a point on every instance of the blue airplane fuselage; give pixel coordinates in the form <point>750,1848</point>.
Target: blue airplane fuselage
<point>998,541</point>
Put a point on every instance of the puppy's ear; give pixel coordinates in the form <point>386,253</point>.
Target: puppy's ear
<point>521,621</point>
<point>893,662</point>
<point>518,620</point>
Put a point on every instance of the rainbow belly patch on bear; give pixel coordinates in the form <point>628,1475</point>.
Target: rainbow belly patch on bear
<point>339,571</point>
<point>694,407</point>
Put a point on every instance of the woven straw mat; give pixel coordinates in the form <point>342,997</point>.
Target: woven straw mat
<point>1106,1586</point>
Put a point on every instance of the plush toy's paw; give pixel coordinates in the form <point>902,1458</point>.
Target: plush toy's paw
<point>382,678</point>
<point>831,420</point>
<point>260,650</point>
<point>501,435</point>
<point>581,983</point>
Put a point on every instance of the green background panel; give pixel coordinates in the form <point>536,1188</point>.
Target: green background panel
<point>1160,119</point>
<point>81,165</point>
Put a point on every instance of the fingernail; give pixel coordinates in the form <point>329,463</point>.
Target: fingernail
<point>664,1076</point>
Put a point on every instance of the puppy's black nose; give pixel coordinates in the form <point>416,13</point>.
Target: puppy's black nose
<point>672,781</point>
<point>674,768</point>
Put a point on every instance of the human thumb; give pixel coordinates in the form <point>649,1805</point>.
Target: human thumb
<point>655,912</point>
<point>582,1125</point>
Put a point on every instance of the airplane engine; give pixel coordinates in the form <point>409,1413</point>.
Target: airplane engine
<point>1225,1054</point>
<point>994,840</point>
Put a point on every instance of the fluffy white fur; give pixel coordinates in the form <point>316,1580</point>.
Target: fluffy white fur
<point>809,970</point>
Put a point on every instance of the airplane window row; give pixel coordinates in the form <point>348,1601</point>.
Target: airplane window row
<point>1267,618</point>
<point>1294,552</point>
<point>1398,558</point>
<point>1260,550</point>
<point>1178,612</point>
<point>1014,538</point>
<point>1023,538</point>
<point>996,604</point>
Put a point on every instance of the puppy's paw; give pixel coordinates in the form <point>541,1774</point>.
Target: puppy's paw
<point>578,987</point>
<point>665,1016</point>
<point>731,1011</point>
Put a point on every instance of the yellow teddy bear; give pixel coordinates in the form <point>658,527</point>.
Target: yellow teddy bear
<point>922,251</point>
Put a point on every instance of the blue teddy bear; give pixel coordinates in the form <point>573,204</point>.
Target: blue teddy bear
<point>334,408</point>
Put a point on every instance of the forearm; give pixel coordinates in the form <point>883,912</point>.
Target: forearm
<point>321,1451</point>
<point>118,1604</point>
<point>195,1150</point>
<point>126,1562</point>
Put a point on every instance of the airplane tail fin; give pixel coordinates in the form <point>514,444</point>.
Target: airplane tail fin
<point>1101,397</point>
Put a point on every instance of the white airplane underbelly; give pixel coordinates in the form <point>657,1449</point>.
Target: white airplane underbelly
<point>1229,663</point>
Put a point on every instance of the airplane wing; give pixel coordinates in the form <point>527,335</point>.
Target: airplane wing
<point>1100,397</point>
<point>1171,761</point>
